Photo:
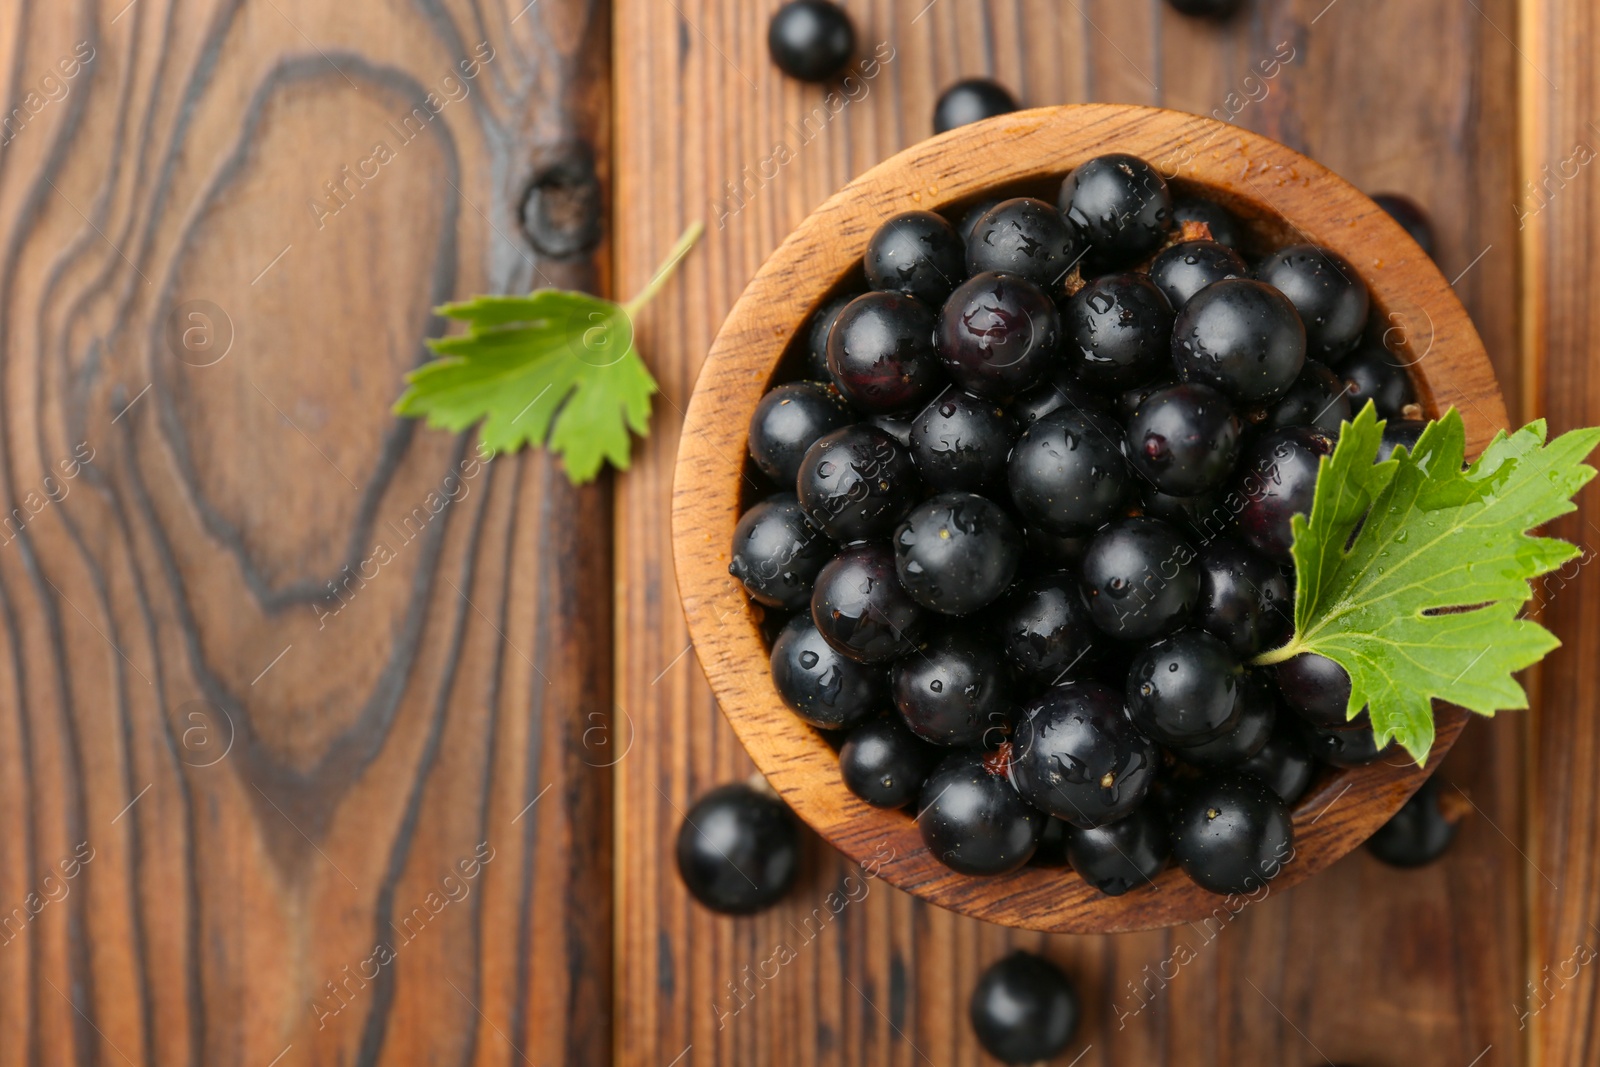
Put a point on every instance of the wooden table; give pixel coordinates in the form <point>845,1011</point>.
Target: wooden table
<point>322,743</point>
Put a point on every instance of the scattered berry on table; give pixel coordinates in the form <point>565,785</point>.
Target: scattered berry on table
<point>971,100</point>
<point>1206,9</point>
<point>1024,1009</point>
<point>1420,832</point>
<point>811,40</point>
<point>738,849</point>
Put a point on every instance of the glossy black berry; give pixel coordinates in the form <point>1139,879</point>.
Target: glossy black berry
<point>1318,398</point>
<point>817,329</point>
<point>1120,206</point>
<point>1258,715</point>
<point>1184,439</point>
<point>1140,579</point>
<point>777,553</point>
<point>1325,289</point>
<point>1076,754</point>
<point>1205,9</point>
<point>1242,337</point>
<point>787,421</point>
<point>1024,237</point>
<point>1284,762</point>
<point>880,353</point>
<point>1354,746</point>
<point>954,690</point>
<point>1045,629</point>
<point>916,253</point>
<point>998,335</point>
<point>1189,266</point>
<point>961,441</point>
<point>1232,833</point>
<point>1245,598</point>
<point>973,820</point>
<point>1122,855</point>
<point>1128,401</point>
<point>1023,1009</point>
<point>811,39</point>
<point>1185,689</point>
<point>885,764</point>
<point>1276,479</point>
<point>897,424</point>
<point>861,609</point>
<point>1067,472</point>
<point>1060,389</point>
<point>1400,433</point>
<point>956,552</point>
<point>1225,228</point>
<point>1317,690</point>
<point>857,482</point>
<point>825,688</point>
<point>970,216</point>
<point>1372,373</point>
<point>1117,331</point>
<point>971,100</point>
<point>1419,833</point>
<point>738,850</point>
<point>1409,214</point>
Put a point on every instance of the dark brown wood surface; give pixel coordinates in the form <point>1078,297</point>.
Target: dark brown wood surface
<point>1360,965</point>
<point>301,747</point>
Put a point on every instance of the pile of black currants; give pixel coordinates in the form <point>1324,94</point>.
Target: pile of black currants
<point>1028,522</point>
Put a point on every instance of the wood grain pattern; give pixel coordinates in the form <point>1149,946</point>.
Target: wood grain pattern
<point>1360,964</point>
<point>1283,197</point>
<point>285,676</point>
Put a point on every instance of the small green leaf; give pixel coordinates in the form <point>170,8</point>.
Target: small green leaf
<point>1421,602</point>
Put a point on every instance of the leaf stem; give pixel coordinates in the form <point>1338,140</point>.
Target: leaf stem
<point>1278,655</point>
<point>665,271</point>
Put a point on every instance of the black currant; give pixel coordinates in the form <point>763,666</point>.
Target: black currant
<point>1205,9</point>
<point>971,100</point>
<point>884,763</point>
<point>1245,598</point>
<point>1023,1009</point>
<point>738,850</point>
<point>1189,266</point>
<point>1258,715</point>
<point>970,216</point>
<point>1354,746</point>
<point>787,421</point>
<point>1052,850</point>
<point>811,39</point>
<point>881,354</point>
<point>1060,389</point>
<point>1128,401</point>
<point>916,253</point>
<point>973,820</point>
<point>1232,833</point>
<point>1318,398</point>
<point>817,329</point>
<point>1067,472</point>
<point>1409,214</point>
<point>897,424</point>
<point>825,688</point>
<point>1121,208</point>
<point>857,482</point>
<point>1372,373</point>
<point>961,441</point>
<point>1122,855</point>
<point>1400,433</point>
<point>1317,689</point>
<point>1276,479</point>
<point>954,690</point>
<point>859,607</point>
<point>1045,628</point>
<point>1117,331</point>
<point>1325,289</point>
<point>1419,832</point>
<point>956,552</point>
<point>1284,762</point>
<point>1076,754</point>
<point>1242,336</point>
<point>777,553</point>
<point>1140,579</point>
<point>1184,439</point>
<point>1023,237</point>
<point>1224,227</point>
<point>1185,689</point>
<point>998,335</point>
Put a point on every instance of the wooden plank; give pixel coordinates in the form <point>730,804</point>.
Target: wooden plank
<point>295,761</point>
<point>1557,205</point>
<point>1361,964</point>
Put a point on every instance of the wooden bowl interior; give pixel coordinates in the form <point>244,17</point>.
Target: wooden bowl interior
<point>762,344</point>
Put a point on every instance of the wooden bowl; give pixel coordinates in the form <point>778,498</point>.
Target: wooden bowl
<point>1284,198</point>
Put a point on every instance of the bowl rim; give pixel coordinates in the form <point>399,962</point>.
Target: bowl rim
<point>1450,368</point>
